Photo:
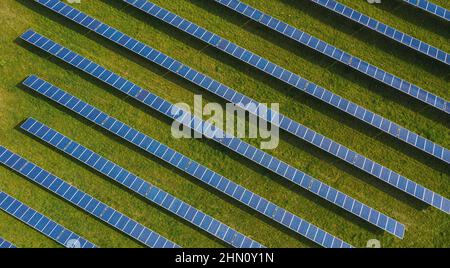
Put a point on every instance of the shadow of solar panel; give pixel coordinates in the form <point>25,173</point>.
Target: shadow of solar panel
<point>138,185</point>
<point>190,166</point>
<point>248,151</point>
<point>431,8</point>
<point>386,30</point>
<point>81,200</point>
<point>6,244</point>
<point>213,86</point>
<point>34,219</point>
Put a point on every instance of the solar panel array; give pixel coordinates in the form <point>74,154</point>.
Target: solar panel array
<point>138,185</point>
<point>76,197</point>
<point>431,8</point>
<point>285,123</point>
<point>213,86</point>
<point>312,42</point>
<point>248,151</point>
<point>359,161</point>
<point>385,30</point>
<point>191,167</point>
<point>6,244</point>
<point>36,220</point>
<point>259,204</point>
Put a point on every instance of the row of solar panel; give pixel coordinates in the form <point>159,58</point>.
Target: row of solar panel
<point>385,30</point>
<point>38,221</point>
<point>308,40</point>
<point>213,86</point>
<point>250,152</point>
<point>284,122</point>
<point>431,8</point>
<point>185,164</point>
<point>81,200</point>
<point>138,185</point>
<point>6,244</point>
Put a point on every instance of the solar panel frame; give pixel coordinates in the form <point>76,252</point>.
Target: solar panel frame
<point>431,8</point>
<point>292,174</point>
<point>38,221</point>
<point>136,184</point>
<point>6,244</point>
<point>318,45</point>
<point>190,166</point>
<point>82,200</point>
<point>383,124</point>
<point>359,161</point>
<point>385,30</point>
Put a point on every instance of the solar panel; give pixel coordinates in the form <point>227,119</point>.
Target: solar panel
<point>385,30</point>
<point>213,86</point>
<point>431,8</point>
<point>248,151</point>
<point>359,161</point>
<point>304,39</point>
<point>138,185</point>
<point>78,198</point>
<point>192,167</point>
<point>36,220</point>
<point>6,244</point>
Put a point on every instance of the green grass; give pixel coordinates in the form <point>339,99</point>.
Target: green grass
<point>425,226</point>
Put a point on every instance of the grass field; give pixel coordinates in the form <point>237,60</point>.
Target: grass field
<point>425,226</point>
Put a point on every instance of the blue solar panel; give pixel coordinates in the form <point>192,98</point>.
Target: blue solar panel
<point>385,30</point>
<point>312,42</point>
<point>248,151</point>
<point>138,185</point>
<point>190,166</point>
<point>36,220</point>
<point>286,123</point>
<point>6,244</point>
<point>80,199</point>
<point>209,84</point>
<point>431,8</point>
